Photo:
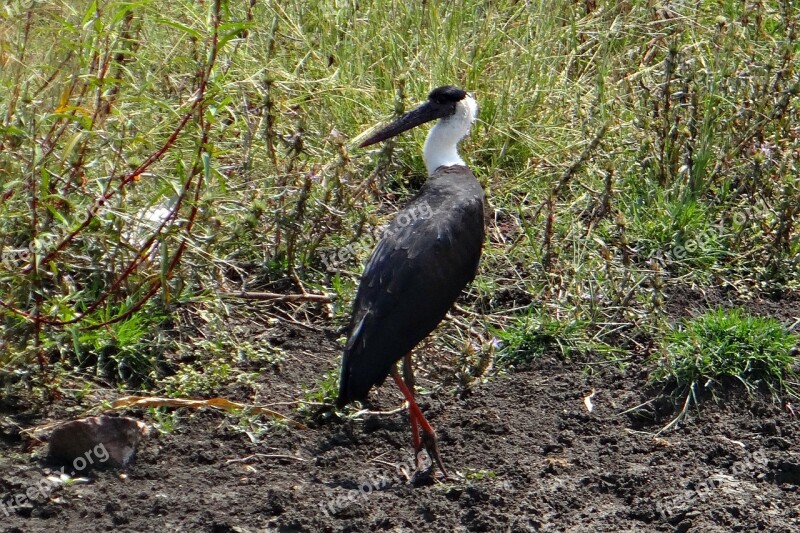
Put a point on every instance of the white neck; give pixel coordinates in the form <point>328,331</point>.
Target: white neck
<point>441,146</point>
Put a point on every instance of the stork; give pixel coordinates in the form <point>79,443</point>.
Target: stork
<point>420,265</point>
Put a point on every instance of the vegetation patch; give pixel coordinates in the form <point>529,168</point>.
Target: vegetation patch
<point>535,334</point>
<point>708,350</point>
<point>157,160</point>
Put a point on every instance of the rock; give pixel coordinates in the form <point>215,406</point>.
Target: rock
<point>98,441</point>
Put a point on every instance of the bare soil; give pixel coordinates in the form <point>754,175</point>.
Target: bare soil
<point>524,452</point>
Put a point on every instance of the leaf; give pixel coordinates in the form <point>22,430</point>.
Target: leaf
<point>215,403</point>
<point>56,214</point>
<point>70,146</point>
<point>231,30</point>
<point>182,27</point>
<point>63,99</point>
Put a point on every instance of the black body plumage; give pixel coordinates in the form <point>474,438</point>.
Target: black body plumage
<point>429,253</point>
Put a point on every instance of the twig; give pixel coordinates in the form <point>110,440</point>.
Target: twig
<point>686,404</point>
<point>379,413</point>
<point>245,295</point>
<point>289,318</point>
<point>567,175</point>
<point>266,456</point>
<point>573,168</point>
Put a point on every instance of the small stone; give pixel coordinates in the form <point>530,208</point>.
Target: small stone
<point>769,427</point>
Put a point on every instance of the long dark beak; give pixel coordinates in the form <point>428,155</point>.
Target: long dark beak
<point>419,115</point>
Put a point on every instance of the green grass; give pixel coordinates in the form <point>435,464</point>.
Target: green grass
<point>318,401</point>
<point>535,334</point>
<point>706,351</point>
<point>624,150</point>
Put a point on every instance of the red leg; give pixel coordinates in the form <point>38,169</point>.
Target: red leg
<point>408,377</point>
<point>428,439</point>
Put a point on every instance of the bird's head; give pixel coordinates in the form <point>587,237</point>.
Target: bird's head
<point>456,107</point>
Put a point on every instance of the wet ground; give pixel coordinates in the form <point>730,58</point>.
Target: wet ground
<point>524,451</point>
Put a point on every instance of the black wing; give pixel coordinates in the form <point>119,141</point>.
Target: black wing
<point>428,254</point>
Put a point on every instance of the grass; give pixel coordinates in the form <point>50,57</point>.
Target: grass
<point>722,344</point>
<point>625,151</point>
<point>537,333</point>
<point>318,401</point>
<point>706,353</point>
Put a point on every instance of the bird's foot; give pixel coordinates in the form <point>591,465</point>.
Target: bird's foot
<point>427,458</point>
<point>423,475</point>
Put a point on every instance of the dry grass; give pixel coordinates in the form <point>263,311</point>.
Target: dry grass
<point>624,146</point>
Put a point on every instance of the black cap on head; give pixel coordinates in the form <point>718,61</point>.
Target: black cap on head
<point>446,94</point>
<point>441,103</point>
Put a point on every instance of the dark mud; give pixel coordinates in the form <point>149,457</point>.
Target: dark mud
<point>524,451</point>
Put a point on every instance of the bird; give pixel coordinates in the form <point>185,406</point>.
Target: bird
<point>427,255</point>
